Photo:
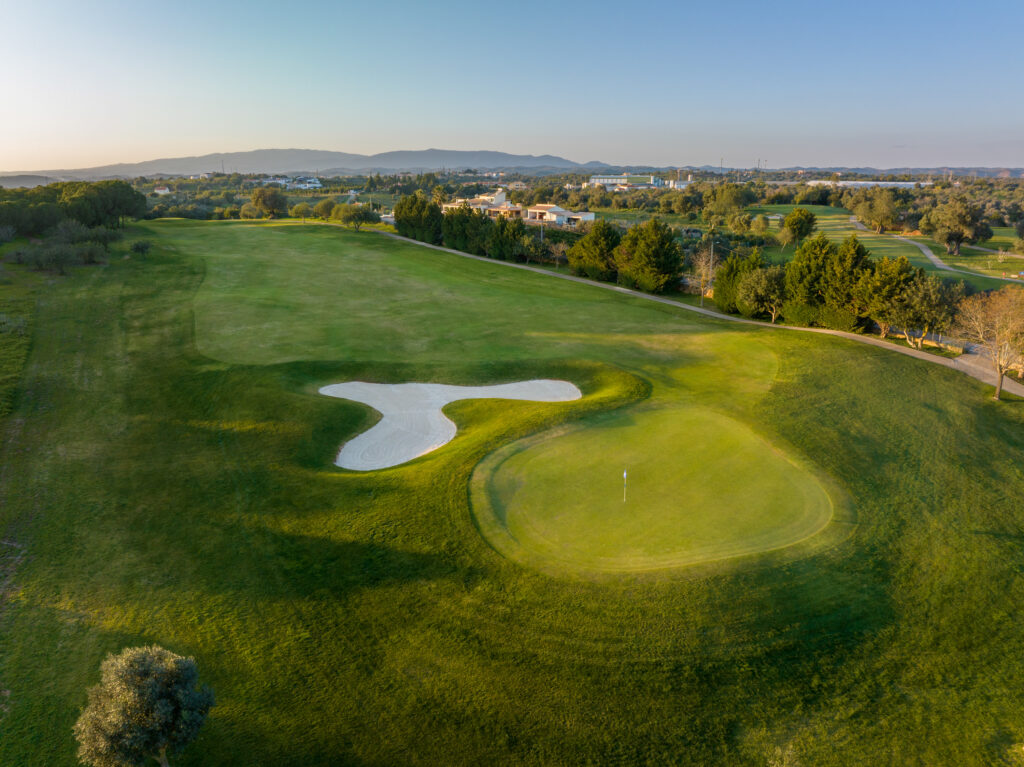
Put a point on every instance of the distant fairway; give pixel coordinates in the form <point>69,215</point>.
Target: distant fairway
<point>700,487</point>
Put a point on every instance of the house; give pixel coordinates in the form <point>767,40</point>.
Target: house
<point>161,190</point>
<point>518,186</point>
<point>494,205</point>
<point>624,182</point>
<point>305,182</point>
<point>553,214</point>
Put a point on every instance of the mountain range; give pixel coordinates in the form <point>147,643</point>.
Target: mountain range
<point>311,161</point>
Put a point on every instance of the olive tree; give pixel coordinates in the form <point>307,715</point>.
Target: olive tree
<point>303,210</point>
<point>762,291</point>
<point>148,705</point>
<point>955,223</point>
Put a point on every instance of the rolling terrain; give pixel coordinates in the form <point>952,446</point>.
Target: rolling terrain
<point>168,475</point>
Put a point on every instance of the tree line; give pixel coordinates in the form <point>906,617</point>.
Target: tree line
<point>31,212</point>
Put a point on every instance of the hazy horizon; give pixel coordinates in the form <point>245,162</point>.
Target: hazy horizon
<point>639,84</point>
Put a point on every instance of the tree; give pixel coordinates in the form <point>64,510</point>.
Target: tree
<point>324,208</point>
<point>785,237</point>
<point>955,223</point>
<point>248,210</point>
<point>594,254</point>
<point>800,222</point>
<point>995,322</point>
<point>762,291</point>
<point>270,201</point>
<point>303,210</point>
<point>843,270</point>
<point>729,276</point>
<point>925,306</point>
<point>648,257</point>
<point>805,274</point>
<point>147,705</point>
<point>354,215</point>
<point>705,266</point>
<point>880,290</point>
<point>7,233</point>
<point>878,210</point>
<point>419,218</point>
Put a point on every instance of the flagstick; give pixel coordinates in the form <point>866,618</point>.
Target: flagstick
<point>623,485</point>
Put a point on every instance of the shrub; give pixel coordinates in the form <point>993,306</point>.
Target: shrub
<point>837,319</point>
<point>798,313</point>
<point>141,247</point>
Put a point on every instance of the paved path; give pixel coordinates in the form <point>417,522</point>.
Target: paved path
<point>936,261</point>
<point>971,363</point>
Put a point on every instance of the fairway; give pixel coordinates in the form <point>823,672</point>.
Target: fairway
<point>700,487</point>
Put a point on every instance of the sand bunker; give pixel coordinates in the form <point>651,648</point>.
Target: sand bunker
<point>413,424</point>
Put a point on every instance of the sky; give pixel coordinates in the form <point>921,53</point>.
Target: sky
<point>783,83</point>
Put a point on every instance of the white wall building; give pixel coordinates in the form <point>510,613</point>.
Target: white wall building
<point>553,214</point>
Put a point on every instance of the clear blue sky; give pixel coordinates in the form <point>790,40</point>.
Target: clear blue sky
<point>901,82</point>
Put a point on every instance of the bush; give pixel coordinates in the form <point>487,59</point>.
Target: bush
<point>71,232</point>
<point>91,252</point>
<point>838,319</point>
<point>141,247</point>
<point>799,313</point>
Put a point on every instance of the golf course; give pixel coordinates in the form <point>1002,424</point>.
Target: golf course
<point>740,545</point>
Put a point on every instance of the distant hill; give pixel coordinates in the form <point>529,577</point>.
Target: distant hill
<point>309,161</point>
<point>294,161</point>
<point>25,179</point>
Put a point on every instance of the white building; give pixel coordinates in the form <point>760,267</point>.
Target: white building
<point>625,182</point>
<point>553,214</point>
<point>494,205</point>
<point>868,184</point>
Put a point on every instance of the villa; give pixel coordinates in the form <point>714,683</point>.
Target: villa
<point>494,205</point>
<point>553,214</point>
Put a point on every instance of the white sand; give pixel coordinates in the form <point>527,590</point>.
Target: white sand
<point>413,424</point>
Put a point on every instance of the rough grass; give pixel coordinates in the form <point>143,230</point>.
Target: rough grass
<point>173,485</point>
<point>17,288</point>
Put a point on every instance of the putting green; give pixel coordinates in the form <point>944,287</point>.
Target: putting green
<point>701,487</point>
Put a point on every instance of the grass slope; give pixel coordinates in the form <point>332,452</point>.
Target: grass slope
<point>167,469</point>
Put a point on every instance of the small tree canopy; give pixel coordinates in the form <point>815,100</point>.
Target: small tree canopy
<point>147,705</point>
<point>303,210</point>
<point>800,222</point>
<point>323,208</point>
